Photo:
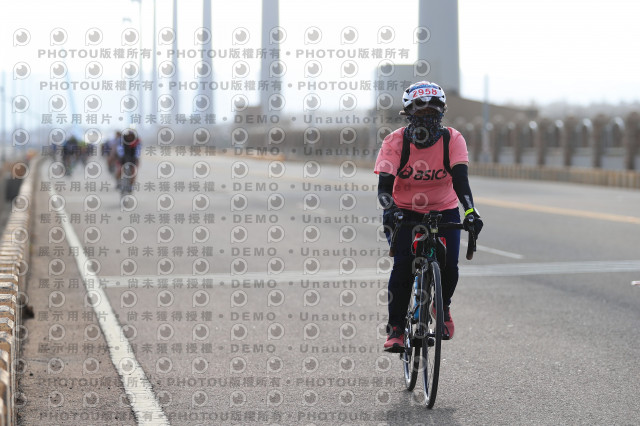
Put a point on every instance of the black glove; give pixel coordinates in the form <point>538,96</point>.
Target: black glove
<point>473,222</point>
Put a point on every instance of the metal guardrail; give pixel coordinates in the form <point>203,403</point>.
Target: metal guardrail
<point>14,266</point>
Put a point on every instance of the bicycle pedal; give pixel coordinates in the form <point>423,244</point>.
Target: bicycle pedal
<point>395,349</point>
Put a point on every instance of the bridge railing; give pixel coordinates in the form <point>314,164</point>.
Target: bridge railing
<point>609,143</point>
<point>585,146</point>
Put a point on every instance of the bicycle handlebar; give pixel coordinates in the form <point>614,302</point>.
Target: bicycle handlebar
<point>471,247</point>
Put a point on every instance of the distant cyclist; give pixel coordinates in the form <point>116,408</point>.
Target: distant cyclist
<point>70,152</point>
<point>109,150</point>
<point>128,152</point>
<point>429,180</point>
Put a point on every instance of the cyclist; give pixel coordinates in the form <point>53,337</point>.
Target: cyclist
<point>430,180</point>
<point>109,151</point>
<point>128,151</point>
<point>84,151</point>
<point>70,152</point>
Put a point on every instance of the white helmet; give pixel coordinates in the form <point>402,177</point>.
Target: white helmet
<point>424,94</point>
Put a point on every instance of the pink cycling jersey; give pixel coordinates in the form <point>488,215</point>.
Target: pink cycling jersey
<point>423,184</point>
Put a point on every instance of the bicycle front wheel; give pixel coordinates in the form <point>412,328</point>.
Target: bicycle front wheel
<point>431,344</point>
<point>410,356</point>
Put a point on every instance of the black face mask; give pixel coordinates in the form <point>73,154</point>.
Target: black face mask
<point>425,130</point>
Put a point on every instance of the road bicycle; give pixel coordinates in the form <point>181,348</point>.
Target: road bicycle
<point>424,322</point>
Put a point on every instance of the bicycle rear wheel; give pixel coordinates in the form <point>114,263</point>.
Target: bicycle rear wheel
<point>126,174</point>
<point>431,344</point>
<point>410,356</point>
<point>125,186</point>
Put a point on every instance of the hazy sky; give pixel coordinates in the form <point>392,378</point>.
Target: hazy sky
<point>532,51</point>
<point>546,50</point>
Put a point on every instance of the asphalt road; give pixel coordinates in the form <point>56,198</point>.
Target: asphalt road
<point>239,290</point>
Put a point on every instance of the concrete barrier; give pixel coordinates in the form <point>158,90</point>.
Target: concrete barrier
<point>14,260</point>
<point>589,176</point>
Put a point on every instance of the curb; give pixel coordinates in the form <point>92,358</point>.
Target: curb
<point>614,178</point>
<point>14,261</point>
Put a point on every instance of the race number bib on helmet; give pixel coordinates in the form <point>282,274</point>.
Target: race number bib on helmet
<point>426,92</point>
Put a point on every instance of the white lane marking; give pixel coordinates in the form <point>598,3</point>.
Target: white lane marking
<point>138,389</point>
<point>317,211</point>
<point>224,279</point>
<point>559,268</point>
<point>365,274</point>
<point>494,251</point>
<point>354,219</point>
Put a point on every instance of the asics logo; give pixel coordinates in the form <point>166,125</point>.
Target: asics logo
<point>408,172</point>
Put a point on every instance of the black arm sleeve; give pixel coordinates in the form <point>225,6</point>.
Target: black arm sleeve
<point>385,190</point>
<point>460,176</point>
